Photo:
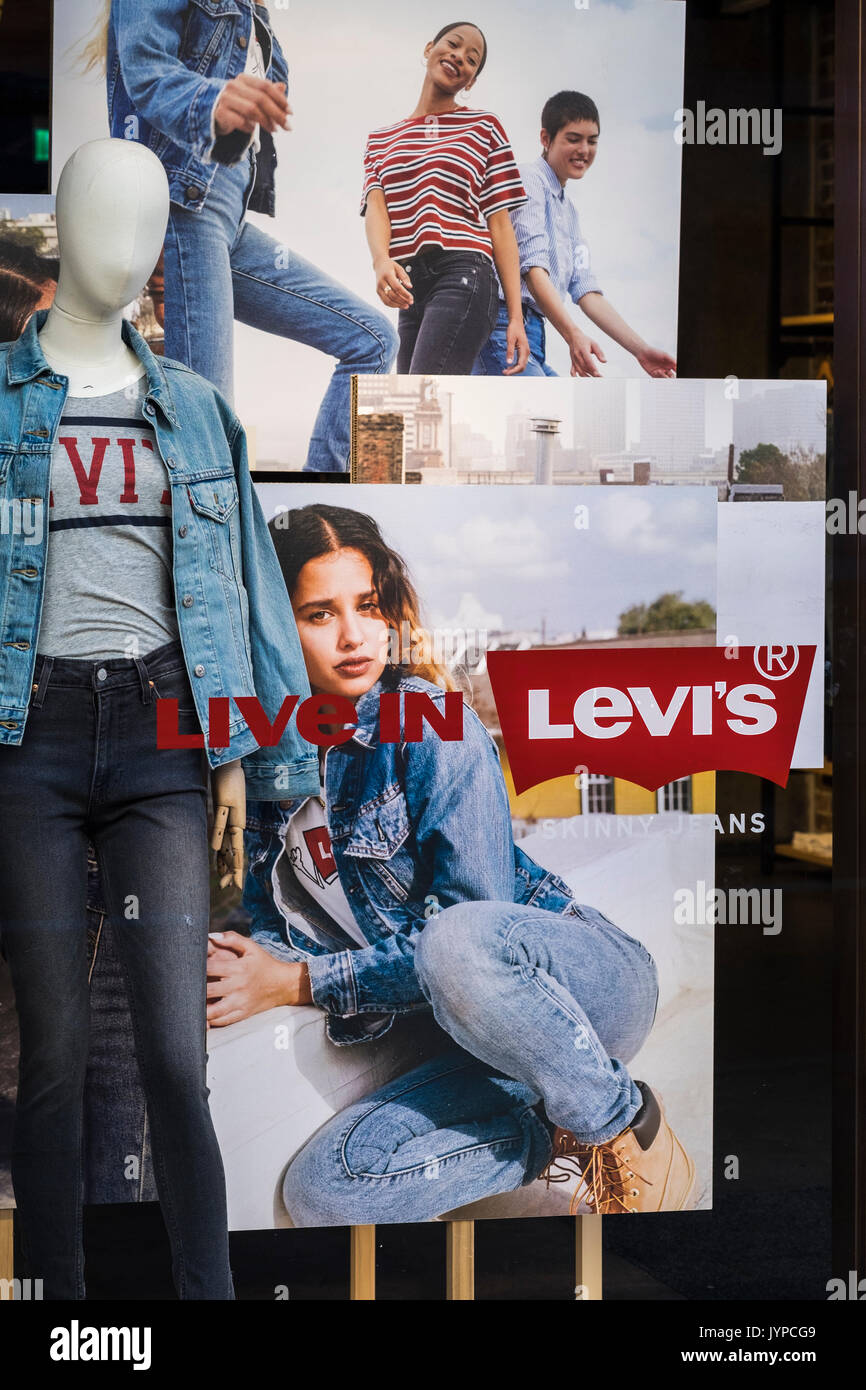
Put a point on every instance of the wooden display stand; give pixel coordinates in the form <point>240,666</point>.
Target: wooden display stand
<point>459,1268</point>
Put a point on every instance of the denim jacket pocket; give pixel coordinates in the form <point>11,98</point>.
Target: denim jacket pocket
<point>380,827</point>
<point>215,502</point>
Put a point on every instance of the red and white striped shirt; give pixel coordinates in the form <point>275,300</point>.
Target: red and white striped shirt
<point>442,177</point>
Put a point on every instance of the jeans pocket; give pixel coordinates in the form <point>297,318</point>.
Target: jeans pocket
<point>174,685</point>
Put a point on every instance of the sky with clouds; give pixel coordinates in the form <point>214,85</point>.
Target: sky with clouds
<point>508,556</point>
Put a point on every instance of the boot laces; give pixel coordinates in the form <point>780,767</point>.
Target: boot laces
<point>606,1178</point>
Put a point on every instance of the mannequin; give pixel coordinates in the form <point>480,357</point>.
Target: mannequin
<point>112,211</point>
<point>149,511</point>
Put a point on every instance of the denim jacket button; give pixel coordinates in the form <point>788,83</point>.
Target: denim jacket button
<point>182,530</point>
<point>148,408</point>
<point>192,194</point>
<point>187,600</point>
<point>242,42</point>
<point>199,671</point>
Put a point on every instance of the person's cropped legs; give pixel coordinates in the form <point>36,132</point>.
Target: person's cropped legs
<point>43,870</point>
<point>88,767</point>
<point>457,315</point>
<point>279,292</point>
<point>199,297</point>
<point>493,357</point>
<point>445,1134</point>
<point>150,834</point>
<point>560,1002</point>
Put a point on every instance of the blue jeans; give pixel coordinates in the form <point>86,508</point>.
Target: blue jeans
<point>493,357</point>
<point>543,1011</point>
<point>115,1108</point>
<point>219,267</point>
<point>88,770</point>
<point>454,309</point>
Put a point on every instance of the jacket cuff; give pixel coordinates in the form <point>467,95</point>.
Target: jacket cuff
<point>279,781</point>
<point>211,147</point>
<point>332,983</point>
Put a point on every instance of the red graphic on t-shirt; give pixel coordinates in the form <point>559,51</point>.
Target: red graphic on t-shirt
<point>88,477</point>
<point>318,843</point>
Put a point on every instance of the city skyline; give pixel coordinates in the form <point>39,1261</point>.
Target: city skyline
<point>682,424</point>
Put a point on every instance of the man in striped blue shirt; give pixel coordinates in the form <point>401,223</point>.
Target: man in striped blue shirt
<point>554,258</point>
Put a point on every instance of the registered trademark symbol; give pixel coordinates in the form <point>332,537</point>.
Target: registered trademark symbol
<point>778,663</point>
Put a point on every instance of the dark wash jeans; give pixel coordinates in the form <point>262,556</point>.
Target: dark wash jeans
<point>88,770</point>
<point>116,1121</point>
<point>455,310</point>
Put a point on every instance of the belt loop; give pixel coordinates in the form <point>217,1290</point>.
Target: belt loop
<point>40,687</point>
<point>146,683</point>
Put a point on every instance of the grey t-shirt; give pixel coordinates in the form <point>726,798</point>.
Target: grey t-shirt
<point>108,582</point>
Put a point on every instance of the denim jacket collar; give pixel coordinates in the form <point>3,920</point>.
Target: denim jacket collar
<point>26,360</point>
<point>276,815</point>
<point>367,706</point>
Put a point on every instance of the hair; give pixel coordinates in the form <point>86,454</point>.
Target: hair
<point>92,53</point>
<point>24,275</point>
<point>305,533</point>
<point>565,107</point>
<point>458,24</point>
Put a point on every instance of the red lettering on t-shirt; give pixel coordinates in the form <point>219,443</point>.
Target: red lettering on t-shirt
<point>129,493</point>
<point>87,479</point>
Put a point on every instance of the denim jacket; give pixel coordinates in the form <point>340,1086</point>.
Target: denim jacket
<point>414,828</point>
<point>167,63</point>
<point>234,617</point>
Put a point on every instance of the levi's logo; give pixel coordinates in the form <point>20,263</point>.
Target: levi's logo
<point>650,715</point>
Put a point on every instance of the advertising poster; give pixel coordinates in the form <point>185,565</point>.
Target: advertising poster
<point>397,650</point>
<point>287,310</point>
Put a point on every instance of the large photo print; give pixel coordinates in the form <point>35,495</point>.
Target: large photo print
<point>510,227</point>
<point>437,993</point>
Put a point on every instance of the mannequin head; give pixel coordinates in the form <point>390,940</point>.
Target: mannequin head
<point>112,211</point>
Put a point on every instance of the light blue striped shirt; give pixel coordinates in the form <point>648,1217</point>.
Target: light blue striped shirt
<point>548,235</point>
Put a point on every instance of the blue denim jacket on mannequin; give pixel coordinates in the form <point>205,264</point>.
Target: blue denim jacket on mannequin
<point>235,620</point>
<point>414,828</point>
<point>167,63</point>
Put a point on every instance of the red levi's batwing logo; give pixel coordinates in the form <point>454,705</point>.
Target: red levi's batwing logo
<point>650,715</point>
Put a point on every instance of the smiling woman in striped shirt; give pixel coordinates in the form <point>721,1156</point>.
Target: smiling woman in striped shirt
<point>438,187</point>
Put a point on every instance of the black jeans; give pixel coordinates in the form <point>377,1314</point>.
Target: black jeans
<point>88,769</point>
<point>455,311</point>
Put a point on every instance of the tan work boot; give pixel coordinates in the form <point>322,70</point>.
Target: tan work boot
<point>645,1168</point>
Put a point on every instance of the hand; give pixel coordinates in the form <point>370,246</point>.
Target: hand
<point>582,350</point>
<point>230,809</point>
<point>244,979</point>
<point>393,285</point>
<point>248,101</point>
<point>516,346</point>
<point>656,363</point>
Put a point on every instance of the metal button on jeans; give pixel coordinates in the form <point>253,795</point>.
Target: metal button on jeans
<point>102,674</point>
<point>199,671</point>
